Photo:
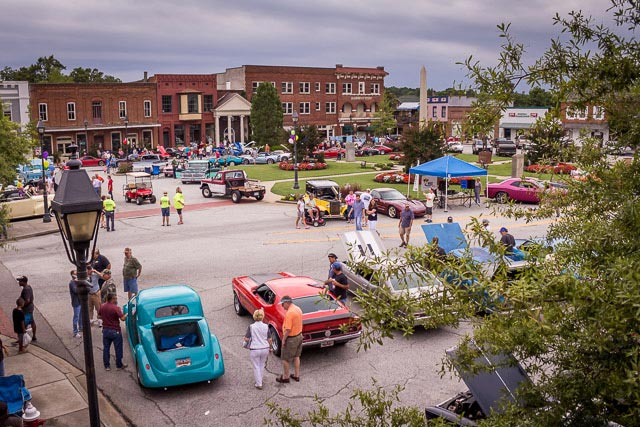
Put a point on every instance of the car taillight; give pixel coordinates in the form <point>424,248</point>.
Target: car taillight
<point>147,367</point>
<point>216,356</point>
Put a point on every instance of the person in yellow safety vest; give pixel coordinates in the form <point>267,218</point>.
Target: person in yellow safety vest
<point>165,206</point>
<point>109,207</point>
<point>178,203</point>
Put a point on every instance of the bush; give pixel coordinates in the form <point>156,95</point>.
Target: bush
<point>290,197</point>
<point>383,166</point>
<point>304,166</point>
<point>320,157</point>
<point>125,167</point>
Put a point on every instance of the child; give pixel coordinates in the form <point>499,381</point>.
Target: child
<point>18,324</point>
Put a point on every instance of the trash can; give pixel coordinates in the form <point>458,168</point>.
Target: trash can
<point>147,169</point>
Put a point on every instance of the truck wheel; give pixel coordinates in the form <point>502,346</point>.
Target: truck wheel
<point>275,341</point>
<point>392,212</point>
<point>139,200</point>
<point>240,310</point>
<point>260,196</point>
<point>206,192</point>
<point>236,196</point>
<point>152,199</point>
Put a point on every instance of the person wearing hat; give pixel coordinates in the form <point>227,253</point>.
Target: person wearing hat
<point>291,340</point>
<point>507,240</point>
<point>108,287</point>
<point>27,295</point>
<point>339,285</point>
<point>332,258</point>
<point>165,208</point>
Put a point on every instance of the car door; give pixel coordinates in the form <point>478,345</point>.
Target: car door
<point>217,185</point>
<point>529,192</point>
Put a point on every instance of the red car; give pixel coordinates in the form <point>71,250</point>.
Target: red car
<point>383,149</point>
<point>91,161</point>
<point>391,202</point>
<point>331,152</point>
<point>520,190</point>
<point>326,321</point>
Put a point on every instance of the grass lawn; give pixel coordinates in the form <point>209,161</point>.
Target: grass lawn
<point>473,158</point>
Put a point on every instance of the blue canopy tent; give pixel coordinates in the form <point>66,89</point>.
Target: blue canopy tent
<point>449,167</point>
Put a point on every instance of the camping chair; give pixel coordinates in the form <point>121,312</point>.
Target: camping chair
<point>14,393</point>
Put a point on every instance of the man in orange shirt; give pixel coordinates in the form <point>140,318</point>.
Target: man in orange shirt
<point>291,339</point>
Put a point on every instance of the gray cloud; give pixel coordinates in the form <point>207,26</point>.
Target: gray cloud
<point>126,38</point>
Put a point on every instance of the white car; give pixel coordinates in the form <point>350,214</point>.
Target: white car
<point>455,147</point>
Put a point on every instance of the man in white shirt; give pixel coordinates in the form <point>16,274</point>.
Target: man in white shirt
<point>366,199</point>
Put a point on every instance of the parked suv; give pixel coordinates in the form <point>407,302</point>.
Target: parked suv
<point>505,147</point>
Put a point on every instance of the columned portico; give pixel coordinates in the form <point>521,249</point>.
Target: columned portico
<point>229,107</point>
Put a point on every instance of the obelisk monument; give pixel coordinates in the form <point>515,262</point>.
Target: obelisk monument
<point>424,116</point>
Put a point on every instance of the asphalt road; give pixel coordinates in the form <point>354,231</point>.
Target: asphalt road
<point>216,243</point>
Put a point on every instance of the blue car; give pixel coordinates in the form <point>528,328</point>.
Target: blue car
<point>170,339</point>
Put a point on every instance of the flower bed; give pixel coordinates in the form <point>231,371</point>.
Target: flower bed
<point>304,166</point>
<point>396,177</point>
<point>560,168</point>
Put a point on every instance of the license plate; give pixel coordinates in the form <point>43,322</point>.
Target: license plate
<point>183,362</point>
<point>327,344</point>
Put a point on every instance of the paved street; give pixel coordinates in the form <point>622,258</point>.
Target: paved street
<point>219,241</point>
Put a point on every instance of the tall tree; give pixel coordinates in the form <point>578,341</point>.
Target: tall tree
<point>266,116</point>
<point>385,120</point>
<point>91,75</point>
<point>422,144</point>
<point>50,70</point>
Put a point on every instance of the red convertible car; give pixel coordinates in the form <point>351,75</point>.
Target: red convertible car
<point>91,161</point>
<point>520,190</point>
<point>331,152</point>
<point>326,321</point>
<point>391,202</point>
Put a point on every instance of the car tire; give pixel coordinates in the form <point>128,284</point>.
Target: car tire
<point>206,192</point>
<point>152,199</point>
<point>284,159</point>
<point>100,163</point>
<point>276,345</point>
<point>270,161</point>
<point>392,212</point>
<point>138,376</point>
<point>127,199</point>
<point>245,162</point>
<point>237,307</point>
<point>139,200</point>
<point>502,197</point>
<point>370,153</point>
<point>260,196</point>
<point>236,196</point>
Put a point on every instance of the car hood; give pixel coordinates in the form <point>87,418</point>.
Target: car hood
<point>449,235</point>
<point>495,386</point>
<point>362,245</point>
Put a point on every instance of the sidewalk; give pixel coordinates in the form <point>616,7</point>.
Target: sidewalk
<point>58,389</point>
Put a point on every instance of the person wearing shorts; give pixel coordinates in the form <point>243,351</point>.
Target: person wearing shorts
<point>291,340</point>
<point>178,203</point>
<point>165,207</point>
<point>131,270</point>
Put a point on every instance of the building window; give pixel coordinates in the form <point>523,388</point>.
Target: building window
<point>287,87</point>
<point>434,112</point>
<point>192,103</point>
<point>582,114</point>
<point>443,112</point>
<point>317,106</point>
<point>42,112</point>
<point>122,109</point>
<point>287,107</point>
<point>6,111</point>
<point>208,103</point>
<point>571,113</point>
<point>330,107</point>
<point>147,108</point>
<point>375,88</point>
<point>254,86</point>
<point>71,110</point>
<point>346,88</point>
<point>304,108</point>
<point>166,104</point>
<point>330,88</point>
<point>317,86</point>
<point>598,113</point>
<point>305,87</point>
<point>361,87</point>
<point>96,109</point>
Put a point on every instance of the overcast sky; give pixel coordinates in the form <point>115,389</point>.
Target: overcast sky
<point>124,38</point>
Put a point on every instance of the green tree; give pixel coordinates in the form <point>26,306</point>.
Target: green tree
<point>422,144</point>
<point>266,116</point>
<point>308,139</point>
<point>50,70</point>
<point>384,115</point>
<point>91,75</point>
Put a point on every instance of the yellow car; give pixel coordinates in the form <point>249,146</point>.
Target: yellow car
<point>22,205</point>
<point>327,196</point>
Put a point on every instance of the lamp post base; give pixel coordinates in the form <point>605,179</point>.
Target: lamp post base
<point>46,218</point>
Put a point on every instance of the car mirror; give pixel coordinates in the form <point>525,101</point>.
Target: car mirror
<point>254,289</point>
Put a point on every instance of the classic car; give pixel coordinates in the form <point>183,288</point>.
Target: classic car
<point>32,172</point>
<point>327,196</point>
<point>367,151</point>
<point>326,321</point>
<point>367,264</point>
<point>169,337</point>
<point>331,152</point>
<point>22,204</point>
<point>391,202</point>
<point>261,159</point>
<point>396,156</point>
<point>520,190</point>
<point>88,161</point>
<point>197,170</point>
<point>383,149</point>
<point>227,160</point>
<point>478,145</point>
<point>455,147</point>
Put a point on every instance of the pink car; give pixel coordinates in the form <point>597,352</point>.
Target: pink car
<point>520,190</point>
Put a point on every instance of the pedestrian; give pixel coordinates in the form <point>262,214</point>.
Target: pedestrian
<point>366,199</point>
<point>339,283</point>
<point>97,184</point>
<point>405,224</point>
<point>165,208</point>
<point>49,184</point>
<point>57,176</point>
<point>291,340</point>
<point>103,217</point>
<point>477,189</point>
<point>507,240</point>
<point>312,208</point>
<point>259,343</point>
<point>178,203</point>
<point>372,216</point>
<point>485,224</point>
<point>358,212</point>
<point>109,286</point>
<point>349,200</point>
<point>100,262</point>
<point>111,316</point>
<point>131,271</point>
<point>75,305</point>
<point>267,148</point>
<point>110,186</point>
<point>19,326</point>
<point>8,420</point>
<point>450,219</point>
<point>109,207</point>
<point>107,164</point>
<point>94,295</point>
<point>333,258</point>
<point>27,296</point>
<point>429,204</point>
<point>300,210</point>
<point>440,252</point>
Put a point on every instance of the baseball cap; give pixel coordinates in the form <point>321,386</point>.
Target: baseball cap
<point>22,279</point>
<point>286,298</point>
<point>503,230</point>
<point>336,265</point>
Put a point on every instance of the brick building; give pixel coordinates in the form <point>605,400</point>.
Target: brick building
<point>96,116</point>
<point>451,111</point>
<point>186,108</point>
<point>340,100</point>
<point>588,121</point>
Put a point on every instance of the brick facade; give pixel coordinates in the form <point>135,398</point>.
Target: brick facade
<point>68,110</point>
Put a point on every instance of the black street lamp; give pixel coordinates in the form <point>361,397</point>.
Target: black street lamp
<point>294,135</point>
<point>77,208</point>
<point>46,217</point>
<point>126,125</point>
<point>86,136</point>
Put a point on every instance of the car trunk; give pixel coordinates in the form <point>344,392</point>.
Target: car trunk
<point>179,343</point>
